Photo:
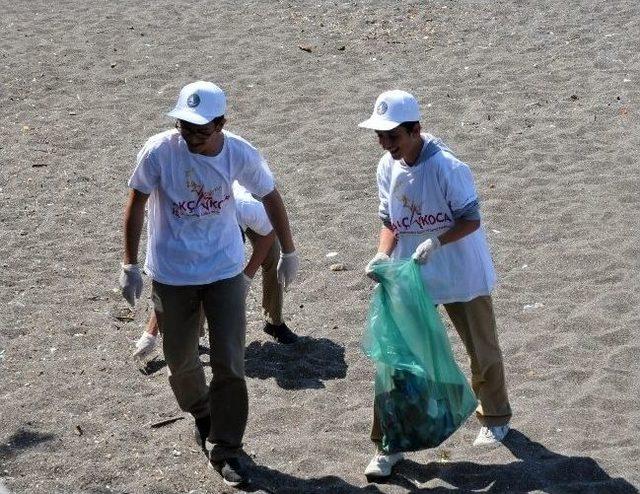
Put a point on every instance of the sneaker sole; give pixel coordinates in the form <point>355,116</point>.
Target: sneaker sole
<point>489,444</point>
<point>377,479</point>
<point>485,445</point>
<point>227,482</point>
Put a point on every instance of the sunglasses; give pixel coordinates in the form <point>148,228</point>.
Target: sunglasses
<point>193,129</point>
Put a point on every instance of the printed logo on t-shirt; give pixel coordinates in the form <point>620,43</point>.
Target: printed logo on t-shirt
<point>204,203</point>
<point>416,222</point>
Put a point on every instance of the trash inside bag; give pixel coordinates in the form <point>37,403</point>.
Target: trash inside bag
<point>421,395</point>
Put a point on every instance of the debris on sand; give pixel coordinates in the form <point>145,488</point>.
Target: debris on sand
<point>168,421</point>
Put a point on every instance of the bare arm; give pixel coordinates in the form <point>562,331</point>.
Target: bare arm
<point>133,221</point>
<point>260,245</point>
<point>461,228</point>
<point>277,213</point>
<point>388,240</point>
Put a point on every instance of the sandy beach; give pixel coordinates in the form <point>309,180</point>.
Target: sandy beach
<point>541,99</point>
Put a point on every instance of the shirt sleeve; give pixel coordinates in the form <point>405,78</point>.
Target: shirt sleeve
<point>470,212</point>
<point>146,175</point>
<point>457,181</point>
<point>254,173</point>
<point>251,215</point>
<point>384,180</point>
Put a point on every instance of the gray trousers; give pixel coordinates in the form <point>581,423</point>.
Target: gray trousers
<point>177,309</point>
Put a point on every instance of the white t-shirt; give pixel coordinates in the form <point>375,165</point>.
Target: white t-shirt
<point>250,211</point>
<point>193,235</point>
<point>417,202</point>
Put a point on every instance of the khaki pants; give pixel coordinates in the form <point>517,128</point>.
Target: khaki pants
<point>475,323</point>
<point>177,309</point>
<point>271,289</point>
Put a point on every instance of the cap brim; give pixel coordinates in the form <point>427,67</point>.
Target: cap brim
<point>189,116</point>
<point>378,124</point>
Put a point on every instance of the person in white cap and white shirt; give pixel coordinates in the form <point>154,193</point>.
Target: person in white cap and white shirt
<point>265,253</point>
<point>195,258</point>
<point>429,211</point>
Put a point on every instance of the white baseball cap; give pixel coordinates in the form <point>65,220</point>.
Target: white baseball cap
<point>199,103</point>
<point>391,109</point>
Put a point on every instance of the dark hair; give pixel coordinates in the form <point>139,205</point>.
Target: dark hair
<point>218,120</point>
<point>409,126</point>
<point>215,121</point>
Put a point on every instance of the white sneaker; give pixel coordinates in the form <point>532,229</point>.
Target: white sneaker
<point>381,464</point>
<point>145,345</point>
<point>491,435</point>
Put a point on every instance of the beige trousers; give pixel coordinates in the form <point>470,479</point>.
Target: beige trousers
<point>476,324</point>
<point>272,295</point>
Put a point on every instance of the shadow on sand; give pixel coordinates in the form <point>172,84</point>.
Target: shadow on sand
<point>267,481</point>
<point>302,365</point>
<point>537,469</point>
<point>21,440</point>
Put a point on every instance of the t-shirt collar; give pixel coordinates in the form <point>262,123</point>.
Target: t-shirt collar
<point>426,139</point>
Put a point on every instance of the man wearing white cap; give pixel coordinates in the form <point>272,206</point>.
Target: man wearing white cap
<point>195,258</point>
<point>429,211</point>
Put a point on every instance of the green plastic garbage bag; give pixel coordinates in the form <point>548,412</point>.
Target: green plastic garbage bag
<point>421,396</point>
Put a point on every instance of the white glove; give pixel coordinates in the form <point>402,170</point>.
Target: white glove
<point>378,258</point>
<point>131,283</point>
<point>287,268</point>
<point>425,249</point>
<point>145,345</point>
